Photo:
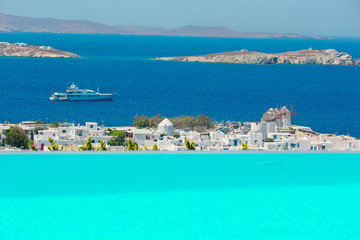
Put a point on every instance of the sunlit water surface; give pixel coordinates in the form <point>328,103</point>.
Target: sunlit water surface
<point>180,196</point>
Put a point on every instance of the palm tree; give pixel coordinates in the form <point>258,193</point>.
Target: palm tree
<point>54,146</point>
<point>102,146</point>
<point>189,145</point>
<point>131,146</point>
<point>88,145</point>
<point>244,146</point>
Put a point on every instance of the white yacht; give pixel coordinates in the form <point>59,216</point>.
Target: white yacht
<point>73,93</point>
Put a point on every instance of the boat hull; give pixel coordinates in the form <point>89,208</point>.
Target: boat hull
<point>83,98</point>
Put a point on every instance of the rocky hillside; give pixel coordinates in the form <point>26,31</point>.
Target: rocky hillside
<point>309,56</point>
<point>24,50</point>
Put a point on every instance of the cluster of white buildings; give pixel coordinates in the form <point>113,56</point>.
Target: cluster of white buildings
<point>273,133</point>
<point>46,48</point>
<point>276,133</point>
<point>7,44</point>
<point>18,44</point>
<point>71,135</point>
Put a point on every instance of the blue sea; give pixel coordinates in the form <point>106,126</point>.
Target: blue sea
<point>326,98</point>
<point>179,196</point>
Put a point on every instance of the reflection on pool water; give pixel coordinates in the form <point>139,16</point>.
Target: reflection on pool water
<point>180,196</point>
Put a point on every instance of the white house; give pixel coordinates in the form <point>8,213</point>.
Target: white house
<point>190,135</point>
<point>217,136</point>
<point>263,127</point>
<point>140,136</point>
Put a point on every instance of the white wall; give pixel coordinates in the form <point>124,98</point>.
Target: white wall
<point>304,144</point>
<point>168,130</point>
<point>256,138</point>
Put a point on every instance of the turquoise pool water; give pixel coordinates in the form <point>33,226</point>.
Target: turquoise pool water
<point>180,196</point>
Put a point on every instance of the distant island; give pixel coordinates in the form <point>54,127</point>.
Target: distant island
<point>25,50</point>
<point>10,23</point>
<point>308,56</point>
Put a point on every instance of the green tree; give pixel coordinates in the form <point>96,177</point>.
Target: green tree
<point>54,125</point>
<point>117,133</point>
<point>155,147</point>
<point>203,121</point>
<point>141,121</point>
<point>16,137</point>
<point>88,145</point>
<point>155,120</point>
<point>102,146</point>
<point>183,121</point>
<point>189,145</point>
<point>269,140</point>
<point>131,146</point>
<point>118,138</point>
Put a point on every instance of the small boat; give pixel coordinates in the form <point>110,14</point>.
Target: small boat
<point>73,93</point>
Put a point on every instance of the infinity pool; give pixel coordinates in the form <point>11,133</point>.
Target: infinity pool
<point>179,196</point>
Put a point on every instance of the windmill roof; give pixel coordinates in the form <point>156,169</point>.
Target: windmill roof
<point>270,115</point>
<point>166,122</point>
<point>284,110</point>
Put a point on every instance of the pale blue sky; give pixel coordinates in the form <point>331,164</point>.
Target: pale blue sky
<point>317,17</point>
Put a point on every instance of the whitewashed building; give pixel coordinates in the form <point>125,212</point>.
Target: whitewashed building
<point>264,128</point>
<point>140,136</point>
<point>166,127</point>
<point>71,135</point>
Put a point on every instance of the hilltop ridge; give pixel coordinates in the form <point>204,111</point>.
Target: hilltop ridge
<point>10,23</point>
<point>307,56</point>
